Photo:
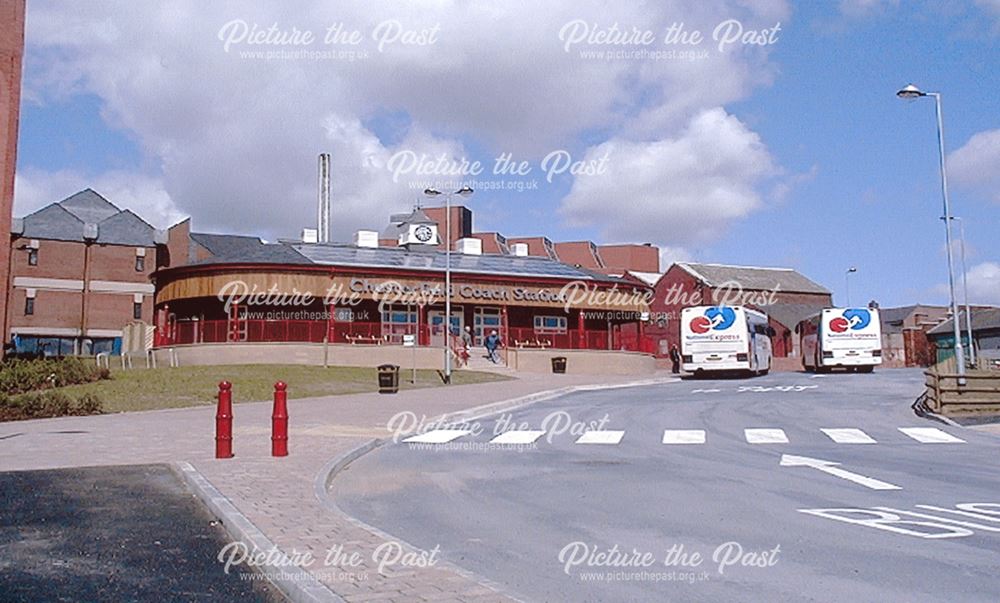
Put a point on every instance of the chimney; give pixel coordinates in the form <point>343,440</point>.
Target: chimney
<point>469,246</point>
<point>309,235</point>
<point>366,238</point>
<point>323,208</point>
<point>520,249</point>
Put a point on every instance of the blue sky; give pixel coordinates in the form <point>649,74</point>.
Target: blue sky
<point>797,154</point>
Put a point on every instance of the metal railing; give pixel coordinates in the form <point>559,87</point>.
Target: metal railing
<point>185,332</point>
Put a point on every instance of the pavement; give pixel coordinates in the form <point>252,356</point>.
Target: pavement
<point>87,535</point>
<point>782,488</point>
<point>277,498</point>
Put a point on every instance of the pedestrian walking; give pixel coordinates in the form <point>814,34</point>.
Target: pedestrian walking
<point>492,343</point>
<point>675,359</point>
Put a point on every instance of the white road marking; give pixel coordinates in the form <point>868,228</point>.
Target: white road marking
<point>765,436</point>
<point>437,436</point>
<point>931,435</point>
<point>601,437</point>
<point>683,436</point>
<point>517,437</point>
<point>705,391</point>
<point>829,467</point>
<point>848,435</point>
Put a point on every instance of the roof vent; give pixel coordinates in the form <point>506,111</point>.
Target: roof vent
<point>520,249</point>
<point>469,246</point>
<point>310,235</point>
<point>366,238</point>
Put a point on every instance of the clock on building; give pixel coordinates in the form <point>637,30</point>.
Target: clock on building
<point>423,233</point>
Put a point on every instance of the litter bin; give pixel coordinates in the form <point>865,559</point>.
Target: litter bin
<point>388,378</point>
<point>559,364</point>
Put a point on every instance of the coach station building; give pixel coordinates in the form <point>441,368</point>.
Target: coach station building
<point>365,303</point>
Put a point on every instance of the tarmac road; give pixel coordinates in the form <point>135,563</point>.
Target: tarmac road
<point>558,520</point>
<point>127,533</point>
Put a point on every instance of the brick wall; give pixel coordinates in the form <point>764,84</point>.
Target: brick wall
<point>11,54</point>
<point>59,305</point>
<point>619,258</point>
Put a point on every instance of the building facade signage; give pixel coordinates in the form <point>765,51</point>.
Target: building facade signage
<point>340,290</point>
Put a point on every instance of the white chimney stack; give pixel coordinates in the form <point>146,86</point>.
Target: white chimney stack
<point>366,238</point>
<point>520,249</point>
<point>323,208</point>
<point>469,246</point>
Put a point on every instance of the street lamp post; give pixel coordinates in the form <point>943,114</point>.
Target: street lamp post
<point>847,283</point>
<point>965,288</point>
<point>464,192</point>
<point>910,92</point>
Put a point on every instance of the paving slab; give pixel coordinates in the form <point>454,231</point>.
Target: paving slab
<point>277,495</point>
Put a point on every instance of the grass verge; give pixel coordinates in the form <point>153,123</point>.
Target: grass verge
<point>152,389</point>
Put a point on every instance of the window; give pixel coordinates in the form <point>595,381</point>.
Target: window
<point>398,320</point>
<point>140,263</point>
<point>550,324</point>
<point>32,257</point>
<point>29,306</point>
<point>137,310</point>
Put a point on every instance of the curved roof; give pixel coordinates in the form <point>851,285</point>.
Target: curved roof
<point>334,254</point>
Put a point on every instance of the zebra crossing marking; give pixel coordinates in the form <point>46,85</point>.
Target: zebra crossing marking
<point>765,436</point>
<point>683,436</point>
<point>848,435</point>
<point>601,437</point>
<point>931,435</point>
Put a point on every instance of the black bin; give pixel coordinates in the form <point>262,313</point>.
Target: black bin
<point>559,364</point>
<point>388,378</point>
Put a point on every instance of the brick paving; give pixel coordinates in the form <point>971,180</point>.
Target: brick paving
<point>278,494</point>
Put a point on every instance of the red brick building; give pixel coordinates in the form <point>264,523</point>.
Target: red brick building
<point>782,293</point>
<point>11,55</point>
<point>80,272</point>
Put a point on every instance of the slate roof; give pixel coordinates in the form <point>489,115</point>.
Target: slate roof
<point>398,223</point>
<point>336,254</point>
<point>226,244</point>
<point>893,318</point>
<point>791,314</point>
<point>650,278</point>
<point>65,220</point>
<point>982,319</point>
<point>753,278</point>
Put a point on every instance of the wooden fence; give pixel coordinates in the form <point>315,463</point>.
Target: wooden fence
<point>980,394</point>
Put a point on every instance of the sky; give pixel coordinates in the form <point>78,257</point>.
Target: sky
<point>760,133</point>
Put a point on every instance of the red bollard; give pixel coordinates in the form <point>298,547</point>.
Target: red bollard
<point>279,421</point>
<point>224,422</point>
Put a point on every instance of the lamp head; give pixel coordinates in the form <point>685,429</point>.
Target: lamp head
<point>910,91</point>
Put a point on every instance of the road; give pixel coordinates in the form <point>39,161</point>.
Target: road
<point>558,520</point>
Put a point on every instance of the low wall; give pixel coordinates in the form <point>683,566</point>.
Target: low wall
<point>301,353</point>
<point>532,361</point>
<point>587,362</point>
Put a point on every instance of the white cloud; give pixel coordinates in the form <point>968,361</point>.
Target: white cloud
<point>864,8</point>
<point>669,255</point>
<point>984,283</point>
<point>233,140</point>
<point>680,190</point>
<point>976,165</point>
